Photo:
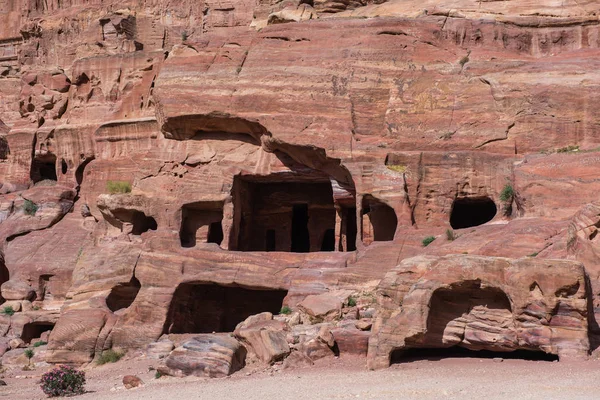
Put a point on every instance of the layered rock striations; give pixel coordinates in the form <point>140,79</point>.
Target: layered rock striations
<point>174,168</point>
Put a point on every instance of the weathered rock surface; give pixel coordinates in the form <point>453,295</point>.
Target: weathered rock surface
<point>482,303</point>
<point>264,337</point>
<point>158,157</point>
<point>206,355</point>
<point>132,381</point>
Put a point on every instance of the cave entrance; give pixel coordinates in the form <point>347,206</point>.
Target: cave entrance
<point>43,168</point>
<point>472,211</point>
<point>201,222</point>
<point>123,295</point>
<point>300,235</point>
<point>437,354</point>
<point>379,221</point>
<point>134,222</point>
<point>467,314</point>
<point>291,216</point>
<point>4,277</point>
<point>35,330</point>
<point>206,308</point>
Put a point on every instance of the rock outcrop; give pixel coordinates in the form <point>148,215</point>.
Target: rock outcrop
<point>482,304</point>
<point>180,168</point>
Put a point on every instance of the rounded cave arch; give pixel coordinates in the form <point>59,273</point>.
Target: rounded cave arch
<point>379,220</point>
<point>467,212</point>
<point>4,276</point>
<point>123,295</point>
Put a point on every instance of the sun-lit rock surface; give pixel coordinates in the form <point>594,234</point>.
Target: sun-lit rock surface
<point>174,168</point>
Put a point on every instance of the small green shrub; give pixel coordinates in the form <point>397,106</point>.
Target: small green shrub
<point>157,374</point>
<point>567,149</point>
<point>285,310</point>
<point>114,187</point>
<point>8,310</point>
<point>63,381</point>
<point>40,343</point>
<point>109,356</point>
<point>29,353</point>
<point>450,235</point>
<point>397,168</point>
<point>533,254</point>
<point>184,36</point>
<point>507,193</point>
<point>427,241</point>
<point>29,207</point>
<point>351,302</point>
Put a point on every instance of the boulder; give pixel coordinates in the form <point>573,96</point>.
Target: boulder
<point>322,307</point>
<point>351,341</point>
<point>15,357</point>
<point>17,290</point>
<point>206,355</point>
<point>264,337</point>
<point>297,359</point>
<point>160,349</point>
<point>132,381</point>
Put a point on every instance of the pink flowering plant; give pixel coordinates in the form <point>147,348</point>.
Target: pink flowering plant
<point>63,381</point>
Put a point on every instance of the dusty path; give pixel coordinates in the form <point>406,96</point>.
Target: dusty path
<point>347,379</point>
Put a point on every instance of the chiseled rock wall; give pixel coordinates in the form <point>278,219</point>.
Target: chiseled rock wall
<point>401,105</point>
<point>482,303</point>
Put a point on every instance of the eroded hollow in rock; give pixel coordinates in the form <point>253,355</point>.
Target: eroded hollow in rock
<point>123,295</point>
<point>410,355</point>
<point>379,221</point>
<point>205,308</point>
<point>4,276</point>
<point>472,211</point>
<point>201,223</point>
<point>133,221</point>
<point>466,307</point>
<point>282,216</point>
<point>34,330</point>
<point>43,168</point>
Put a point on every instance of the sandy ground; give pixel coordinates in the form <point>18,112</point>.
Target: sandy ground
<point>344,378</point>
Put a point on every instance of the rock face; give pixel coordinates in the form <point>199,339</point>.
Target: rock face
<point>176,168</point>
<point>482,304</point>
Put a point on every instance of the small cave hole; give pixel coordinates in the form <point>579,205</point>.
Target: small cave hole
<point>43,168</point>
<point>63,166</point>
<point>472,211</point>
<point>34,330</point>
<point>139,221</point>
<point>123,295</point>
<point>379,221</point>
<point>4,277</point>
<point>201,222</point>
<point>206,308</point>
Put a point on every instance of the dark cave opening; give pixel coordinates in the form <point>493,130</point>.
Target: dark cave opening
<point>123,295</point>
<point>300,235</point>
<point>290,216</point>
<point>437,354</point>
<point>4,277</point>
<point>201,222</point>
<point>43,168</point>
<point>468,212</point>
<point>206,307</point>
<point>34,330</point>
<point>379,221</point>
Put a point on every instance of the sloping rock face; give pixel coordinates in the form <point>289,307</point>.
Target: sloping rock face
<point>482,303</point>
<point>175,167</point>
